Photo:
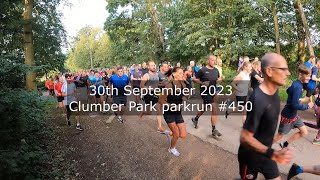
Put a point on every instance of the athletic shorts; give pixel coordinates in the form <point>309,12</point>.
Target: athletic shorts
<point>310,92</point>
<point>119,100</point>
<point>285,128</point>
<point>74,106</point>
<point>151,99</point>
<point>241,100</point>
<point>251,164</point>
<point>207,99</point>
<point>60,98</point>
<point>173,117</point>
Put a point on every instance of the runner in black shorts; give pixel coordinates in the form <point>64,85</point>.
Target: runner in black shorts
<point>150,80</point>
<point>207,77</point>
<point>255,153</point>
<point>174,119</point>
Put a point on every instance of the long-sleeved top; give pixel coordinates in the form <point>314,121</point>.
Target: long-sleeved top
<point>293,105</point>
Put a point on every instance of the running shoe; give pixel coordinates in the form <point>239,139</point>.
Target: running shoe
<point>195,123</point>
<point>68,122</point>
<point>216,133</point>
<point>293,171</point>
<point>282,145</point>
<point>79,128</point>
<point>174,151</point>
<point>316,142</point>
<point>161,130</point>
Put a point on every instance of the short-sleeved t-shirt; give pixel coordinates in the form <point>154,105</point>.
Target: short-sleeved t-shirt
<point>312,84</point>
<point>119,83</point>
<point>254,82</point>
<point>137,75</point>
<point>68,89</point>
<point>58,88</point>
<point>84,80</point>
<point>308,64</point>
<point>262,120</point>
<point>211,75</point>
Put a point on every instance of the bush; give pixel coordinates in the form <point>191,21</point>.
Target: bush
<point>22,126</point>
<point>22,117</point>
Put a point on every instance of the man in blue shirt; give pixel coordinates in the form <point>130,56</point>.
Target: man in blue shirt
<point>289,118</point>
<point>119,81</point>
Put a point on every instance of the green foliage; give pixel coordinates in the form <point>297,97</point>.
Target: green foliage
<point>48,33</point>
<point>90,43</point>
<point>23,114</point>
<point>195,28</point>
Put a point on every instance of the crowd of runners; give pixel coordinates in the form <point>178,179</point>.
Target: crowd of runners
<point>257,82</point>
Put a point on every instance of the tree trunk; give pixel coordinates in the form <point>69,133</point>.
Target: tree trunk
<point>301,38</point>
<point>28,42</point>
<point>158,29</point>
<point>276,27</point>
<point>305,25</point>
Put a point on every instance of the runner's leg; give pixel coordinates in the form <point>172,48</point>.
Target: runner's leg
<point>303,131</point>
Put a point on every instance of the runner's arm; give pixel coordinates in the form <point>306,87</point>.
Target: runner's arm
<point>132,78</point>
<point>144,79</point>
<point>260,79</point>
<point>235,80</point>
<point>247,139</point>
<point>282,156</point>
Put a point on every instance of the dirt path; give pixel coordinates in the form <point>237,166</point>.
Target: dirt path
<point>134,150</point>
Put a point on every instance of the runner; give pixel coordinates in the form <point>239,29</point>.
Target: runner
<point>50,86</point>
<point>98,87</point>
<point>256,75</point>
<point>58,92</point>
<point>136,80</point>
<point>151,81</point>
<point>105,80</point>
<point>296,169</point>
<point>174,119</point>
<point>69,93</point>
<point>188,78</point>
<point>316,109</point>
<point>289,117</point>
<point>219,67</point>
<point>255,153</point>
<point>312,84</point>
<point>163,77</point>
<point>144,69</point>
<point>241,85</point>
<point>91,81</point>
<point>208,76</point>
<point>119,81</point>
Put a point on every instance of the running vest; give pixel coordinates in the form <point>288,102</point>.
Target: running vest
<point>173,98</point>
<point>243,85</point>
<point>153,80</point>
<point>162,77</point>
